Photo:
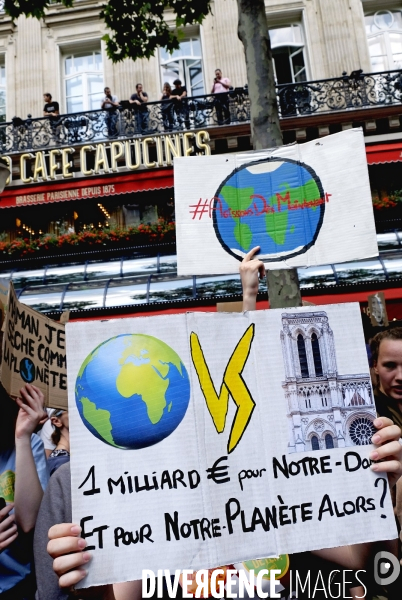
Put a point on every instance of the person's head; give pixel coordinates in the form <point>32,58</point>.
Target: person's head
<point>167,87</point>
<point>386,350</point>
<point>218,74</point>
<point>139,87</point>
<point>177,83</point>
<point>9,413</point>
<point>107,91</point>
<point>47,97</point>
<point>59,420</point>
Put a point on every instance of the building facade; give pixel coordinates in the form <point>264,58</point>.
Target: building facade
<point>337,65</point>
<point>326,409</point>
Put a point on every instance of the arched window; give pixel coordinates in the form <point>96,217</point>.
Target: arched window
<point>185,64</point>
<point>314,443</point>
<point>384,36</point>
<point>329,441</point>
<point>83,76</point>
<point>301,347</point>
<point>316,355</point>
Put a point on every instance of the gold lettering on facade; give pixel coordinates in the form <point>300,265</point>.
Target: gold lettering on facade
<point>159,151</point>
<point>40,167</point>
<point>83,159</point>
<point>171,149</point>
<point>137,151</point>
<point>116,152</point>
<point>101,161</point>
<point>10,167</point>
<point>23,167</point>
<point>186,143</point>
<point>53,164</point>
<point>145,153</point>
<point>202,139</point>
<point>66,164</point>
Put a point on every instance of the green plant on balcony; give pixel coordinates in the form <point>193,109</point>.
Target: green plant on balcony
<point>382,201</point>
<point>50,244</point>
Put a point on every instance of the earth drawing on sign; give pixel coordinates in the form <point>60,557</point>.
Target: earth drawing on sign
<point>132,391</point>
<point>276,203</point>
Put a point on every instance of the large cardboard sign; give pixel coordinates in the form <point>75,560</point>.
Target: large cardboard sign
<point>207,439</point>
<point>33,351</point>
<point>303,204</point>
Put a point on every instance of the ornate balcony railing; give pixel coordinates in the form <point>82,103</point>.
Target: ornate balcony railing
<point>155,117</point>
<point>346,93</point>
<point>349,92</point>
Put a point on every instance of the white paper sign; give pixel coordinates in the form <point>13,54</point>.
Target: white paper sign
<point>207,439</point>
<point>304,205</point>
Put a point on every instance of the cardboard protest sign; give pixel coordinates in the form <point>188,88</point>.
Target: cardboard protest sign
<point>3,308</point>
<point>378,310</point>
<point>303,204</point>
<point>210,439</point>
<point>33,351</point>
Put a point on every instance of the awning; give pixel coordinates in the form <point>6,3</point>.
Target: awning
<point>381,154</point>
<point>78,189</point>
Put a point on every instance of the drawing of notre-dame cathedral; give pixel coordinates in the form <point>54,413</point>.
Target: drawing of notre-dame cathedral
<point>326,409</point>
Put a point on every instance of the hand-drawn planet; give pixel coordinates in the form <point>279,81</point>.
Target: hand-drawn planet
<point>276,203</point>
<point>132,391</point>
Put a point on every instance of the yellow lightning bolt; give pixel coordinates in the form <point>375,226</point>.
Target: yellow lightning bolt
<point>232,384</point>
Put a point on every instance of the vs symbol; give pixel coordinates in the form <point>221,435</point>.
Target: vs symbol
<point>233,384</point>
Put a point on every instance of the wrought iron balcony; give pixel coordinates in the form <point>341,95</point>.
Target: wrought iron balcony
<point>347,93</point>
<point>128,121</point>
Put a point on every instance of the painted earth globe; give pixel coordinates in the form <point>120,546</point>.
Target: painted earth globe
<point>132,391</point>
<point>277,204</point>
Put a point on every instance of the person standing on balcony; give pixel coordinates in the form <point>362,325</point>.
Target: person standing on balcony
<point>221,86</point>
<point>110,104</point>
<point>52,111</point>
<point>139,100</point>
<point>167,107</point>
<point>179,95</point>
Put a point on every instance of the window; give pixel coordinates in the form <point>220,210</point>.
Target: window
<point>315,445</point>
<point>184,64</point>
<point>361,431</point>
<point>301,347</point>
<point>288,53</point>
<point>384,36</point>
<point>2,90</point>
<point>329,441</point>
<point>316,355</point>
<point>83,72</point>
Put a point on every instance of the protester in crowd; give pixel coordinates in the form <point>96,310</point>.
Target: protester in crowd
<point>139,100</point>
<point>221,86</point>
<point>52,111</point>
<point>386,356</point>
<point>179,96</point>
<point>23,477</point>
<point>45,433</point>
<point>61,439</point>
<point>110,104</point>
<point>167,107</point>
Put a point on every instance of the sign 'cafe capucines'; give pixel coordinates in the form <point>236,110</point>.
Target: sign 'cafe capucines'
<point>114,167</point>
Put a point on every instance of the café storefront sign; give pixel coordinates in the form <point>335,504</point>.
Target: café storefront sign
<point>103,158</point>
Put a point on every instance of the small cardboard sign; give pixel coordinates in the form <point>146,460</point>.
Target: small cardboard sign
<point>303,204</point>
<point>378,310</point>
<point>207,439</point>
<point>33,351</point>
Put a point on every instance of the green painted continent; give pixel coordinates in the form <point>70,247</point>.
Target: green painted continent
<point>145,364</point>
<point>99,418</point>
<point>277,222</point>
